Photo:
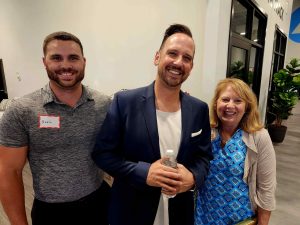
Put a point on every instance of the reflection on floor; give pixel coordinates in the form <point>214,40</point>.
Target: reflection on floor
<point>288,178</point>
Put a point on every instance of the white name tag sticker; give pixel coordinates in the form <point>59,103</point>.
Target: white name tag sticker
<point>49,121</point>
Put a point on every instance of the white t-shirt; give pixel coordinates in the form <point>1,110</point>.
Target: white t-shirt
<point>169,132</point>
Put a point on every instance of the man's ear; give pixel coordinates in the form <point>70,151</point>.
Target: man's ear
<point>44,61</point>
<point>156,58</point>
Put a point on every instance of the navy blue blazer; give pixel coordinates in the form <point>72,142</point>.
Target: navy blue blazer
<point>127,145</point>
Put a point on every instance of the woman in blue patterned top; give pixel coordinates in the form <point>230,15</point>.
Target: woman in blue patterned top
<point>242,179</point>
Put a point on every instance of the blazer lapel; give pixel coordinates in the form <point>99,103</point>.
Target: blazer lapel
<point>186,124</point>
<point>149,112</point>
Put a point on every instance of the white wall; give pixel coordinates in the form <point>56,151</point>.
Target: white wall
<point>119,38</point>
<point>217,24</point>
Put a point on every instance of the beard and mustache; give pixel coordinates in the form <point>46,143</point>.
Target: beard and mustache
<point>56,76</point>
<point>175,71</point>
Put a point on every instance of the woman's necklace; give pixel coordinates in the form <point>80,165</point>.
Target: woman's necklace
<point>224,140</point>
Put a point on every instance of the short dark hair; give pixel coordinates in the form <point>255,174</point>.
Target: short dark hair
<point>63,36</point>
<point>173,29</point>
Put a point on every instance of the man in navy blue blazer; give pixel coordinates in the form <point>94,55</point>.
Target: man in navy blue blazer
<point>140,125</point>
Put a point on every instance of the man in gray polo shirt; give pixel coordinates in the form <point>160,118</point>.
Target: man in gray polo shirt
<point>55,128</point>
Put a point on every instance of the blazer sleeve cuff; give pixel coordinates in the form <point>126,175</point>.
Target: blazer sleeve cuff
<point>142,169</point>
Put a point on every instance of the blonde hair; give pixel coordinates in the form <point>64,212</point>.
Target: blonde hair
<point>250,122</point>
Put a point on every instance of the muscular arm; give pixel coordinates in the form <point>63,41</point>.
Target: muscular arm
<point>12,161</point>
<point>263,216</point>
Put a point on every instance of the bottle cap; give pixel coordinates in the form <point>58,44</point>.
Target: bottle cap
<point>169,152</point>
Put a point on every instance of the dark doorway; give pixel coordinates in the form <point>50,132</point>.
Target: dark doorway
<point>3,90</point>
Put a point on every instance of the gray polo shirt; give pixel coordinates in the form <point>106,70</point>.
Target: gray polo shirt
<point>60,140</point>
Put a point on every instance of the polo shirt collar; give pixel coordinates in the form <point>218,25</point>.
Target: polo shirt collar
<point>48,95</point>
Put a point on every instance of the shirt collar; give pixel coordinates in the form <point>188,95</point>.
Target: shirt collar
<point>48,95</point>
<point>247,138</point>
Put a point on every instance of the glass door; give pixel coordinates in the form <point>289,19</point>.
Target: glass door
<point>246,43</point>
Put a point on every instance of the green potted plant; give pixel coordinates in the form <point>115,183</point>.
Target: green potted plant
<point>284,97</point>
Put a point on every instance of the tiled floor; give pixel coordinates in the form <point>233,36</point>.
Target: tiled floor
<point>288,178</point>
<point>288,174</point>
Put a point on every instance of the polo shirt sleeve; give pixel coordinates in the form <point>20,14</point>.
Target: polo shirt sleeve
<point>12,126</point>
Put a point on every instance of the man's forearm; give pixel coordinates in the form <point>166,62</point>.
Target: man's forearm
<point>12,197</point>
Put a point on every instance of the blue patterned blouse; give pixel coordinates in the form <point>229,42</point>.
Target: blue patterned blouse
<point>224,197</point>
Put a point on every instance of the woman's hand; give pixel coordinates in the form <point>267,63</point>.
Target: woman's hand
<point>263,216</point>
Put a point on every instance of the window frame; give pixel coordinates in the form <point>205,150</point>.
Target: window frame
<point>245,42</point>
<point>279,54</point>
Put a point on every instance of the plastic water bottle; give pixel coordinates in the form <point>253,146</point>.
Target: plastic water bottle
<point>170,161</point>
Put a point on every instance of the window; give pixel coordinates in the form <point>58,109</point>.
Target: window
<point>239,20</point>
<point>3,91</point>
<point>246,43</point>
<point>279,47</point>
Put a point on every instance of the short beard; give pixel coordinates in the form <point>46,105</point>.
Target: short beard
<point>170,84</point>
<point>54,77</point>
